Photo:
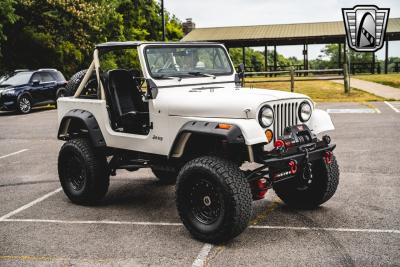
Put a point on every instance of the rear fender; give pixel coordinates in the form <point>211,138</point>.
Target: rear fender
<point>79,121</point>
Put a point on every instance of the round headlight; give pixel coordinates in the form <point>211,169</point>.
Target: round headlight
<point>266,116</point>
<point>305,111</point>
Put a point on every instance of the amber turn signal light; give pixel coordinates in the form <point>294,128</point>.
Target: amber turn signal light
<point>269,135</point>
<point>224,126</point>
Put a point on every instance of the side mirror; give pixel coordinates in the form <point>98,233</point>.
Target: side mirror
<point>241,73</point>
<point>35,82</point>
<point>152,89</point>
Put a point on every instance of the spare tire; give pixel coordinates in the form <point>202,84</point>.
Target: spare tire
<point>73,84</point>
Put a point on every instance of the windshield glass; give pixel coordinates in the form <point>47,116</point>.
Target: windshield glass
<point>187,61</point>
<point>17,79</point>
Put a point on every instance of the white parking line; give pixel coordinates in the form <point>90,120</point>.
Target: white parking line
<point>30,204</point>
<point>93,222</point>
<point>392,107</point>
<point>14,153</point>
<point>388,231</point>
<point>353,110</point>
<point>276,227</point>
<point>201,258</point>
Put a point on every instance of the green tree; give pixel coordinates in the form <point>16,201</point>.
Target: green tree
<point>62,33</point>
<point>255,59</point>
<point>330,58</point>
<point>7,16</point>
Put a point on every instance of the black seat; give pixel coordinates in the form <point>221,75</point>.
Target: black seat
<point>130,111</point>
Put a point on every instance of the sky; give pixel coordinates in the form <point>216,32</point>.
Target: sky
<point>213,13</point>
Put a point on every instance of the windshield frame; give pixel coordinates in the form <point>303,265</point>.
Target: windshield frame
<point>188,45</point>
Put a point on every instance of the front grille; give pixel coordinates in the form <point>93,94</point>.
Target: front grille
<point>285,115</point>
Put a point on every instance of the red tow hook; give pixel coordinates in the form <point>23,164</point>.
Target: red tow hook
<point>293,166</point>
<point>279,145</point>
<point>328,157</point>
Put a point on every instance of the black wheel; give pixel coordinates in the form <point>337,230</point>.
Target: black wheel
<point>165,176</point>
<point>213,199</point>
<point>83,173</point>
<point>24,104</point>
<point>60,93</point>
<point>323,186</point>
<point>73,84</point>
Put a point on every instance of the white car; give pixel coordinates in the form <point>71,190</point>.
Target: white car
<point>180,109</point>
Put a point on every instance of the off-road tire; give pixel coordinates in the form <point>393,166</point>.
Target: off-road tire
<point>165,176</point>
<point>24,104</point>
<point>323,187</point>
<point>78,156</point>
<point>232,189</point>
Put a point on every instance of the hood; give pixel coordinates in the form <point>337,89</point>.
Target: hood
<point>7,87</point>
<point>220,101</point>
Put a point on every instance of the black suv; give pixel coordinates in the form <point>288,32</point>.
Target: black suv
<point>26,88</point>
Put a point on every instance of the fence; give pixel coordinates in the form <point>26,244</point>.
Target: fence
<point>294,75</point>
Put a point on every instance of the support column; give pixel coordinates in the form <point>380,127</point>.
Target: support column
<point>275,63</point>
<point>305,58</point>
<point>373,63</point>
<point>266,58</point>
<point>244,56</point>
<point>386,54</point>
<point>340,56</point>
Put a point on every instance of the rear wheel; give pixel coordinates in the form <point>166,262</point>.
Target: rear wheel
<point>213,199</point>
<point>82,171</point>
<point>323,186</point>
<point>60,93</point>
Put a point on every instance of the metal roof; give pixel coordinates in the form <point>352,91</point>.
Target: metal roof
<point>282,34</point>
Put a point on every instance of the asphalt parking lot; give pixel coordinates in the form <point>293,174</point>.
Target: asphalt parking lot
<point>137,223</point>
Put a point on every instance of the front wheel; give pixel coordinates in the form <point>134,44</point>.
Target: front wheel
<point>323,186</point>
<point>82,171</point>
<point>213,199</point>
<point>24,104</point>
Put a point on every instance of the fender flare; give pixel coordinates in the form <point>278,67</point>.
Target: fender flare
<point>87,120</point>
<point>232,136</point>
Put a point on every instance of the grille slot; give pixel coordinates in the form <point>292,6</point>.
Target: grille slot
<point>285,115</point>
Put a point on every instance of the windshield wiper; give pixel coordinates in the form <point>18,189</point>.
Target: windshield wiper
<point>163,76</point>
<point>198,73</point>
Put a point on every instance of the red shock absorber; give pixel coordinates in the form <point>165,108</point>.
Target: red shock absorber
<point>259,188</point>
<point>328,156</point>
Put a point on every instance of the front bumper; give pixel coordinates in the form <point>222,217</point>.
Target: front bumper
<point>282,161</point>
<point>8,103</point>
<point>279,167</point>
<point>294,156</point>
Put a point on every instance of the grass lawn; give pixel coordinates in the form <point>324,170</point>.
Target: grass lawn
<point>386,79</point>
<point>319,91</point>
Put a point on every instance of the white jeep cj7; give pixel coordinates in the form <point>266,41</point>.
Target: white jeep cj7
<point>180,109</point>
